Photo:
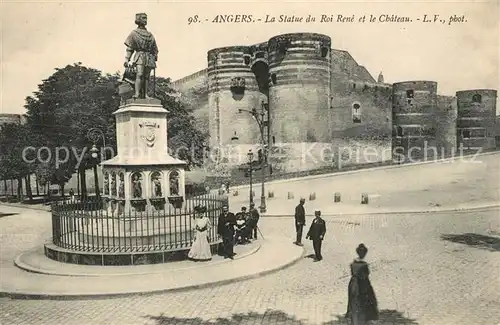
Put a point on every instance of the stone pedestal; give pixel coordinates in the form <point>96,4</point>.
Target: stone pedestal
<point>142,177</point>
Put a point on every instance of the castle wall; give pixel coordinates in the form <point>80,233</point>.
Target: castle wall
<point>476,119</point>
<point>225,119</point>
<point>299,91</point>
<point>415,108</point>
<point>361,110</point>
<point>344,68</point>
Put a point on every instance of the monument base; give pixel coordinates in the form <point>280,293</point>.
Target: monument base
<point>119,258</point>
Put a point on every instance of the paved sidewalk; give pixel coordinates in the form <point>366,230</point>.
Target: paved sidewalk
<point>274,254</point>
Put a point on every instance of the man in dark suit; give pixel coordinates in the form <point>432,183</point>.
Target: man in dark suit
<point>300,221</point>
<point>254,217</point>
<point>225,228</point>
<point>316,233</point>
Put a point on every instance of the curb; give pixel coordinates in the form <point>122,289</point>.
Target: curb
<point>340,173</point>
<point>37,296</point>
<point>25,206</point>
<point>485,207</point>
<point>28,268</point>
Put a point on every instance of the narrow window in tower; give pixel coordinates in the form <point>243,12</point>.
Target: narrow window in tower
<point>399,131</point>
<point>409,96</point>
<point>476,98</point>
<point>356,113</point>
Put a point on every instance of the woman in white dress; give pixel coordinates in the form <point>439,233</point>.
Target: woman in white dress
<point>200,251</point>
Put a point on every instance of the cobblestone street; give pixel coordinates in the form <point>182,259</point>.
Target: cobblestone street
<point>423,268</point>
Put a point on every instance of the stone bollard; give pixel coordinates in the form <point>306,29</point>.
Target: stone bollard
<point>270,194</point>
<point>364,198</point>
<point>290,195</point>
<point>336,197</point>
<point>236,193</point>
<point>312,196</point>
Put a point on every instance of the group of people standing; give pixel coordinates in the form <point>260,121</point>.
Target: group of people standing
<point>239,228</point>
<point>362,305</point>
<point>232,228</point>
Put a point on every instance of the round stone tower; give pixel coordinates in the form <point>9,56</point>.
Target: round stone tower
<point>476,119</point>
<point>232,86</point>
<point>414,120</point>
<point>299,68</point>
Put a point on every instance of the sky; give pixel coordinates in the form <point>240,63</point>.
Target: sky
<point>39,36</point>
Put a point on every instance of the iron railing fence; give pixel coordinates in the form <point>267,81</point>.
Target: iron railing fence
<point>90,227</point>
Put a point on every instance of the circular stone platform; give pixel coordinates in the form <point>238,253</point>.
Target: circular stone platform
<point>37,262</point>
<point>48,279</point>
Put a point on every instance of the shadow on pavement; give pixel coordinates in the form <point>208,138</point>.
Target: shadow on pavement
<point>386,317</point>
<point>270,317</point>
<point>475,240</point>
<point>7,214</point>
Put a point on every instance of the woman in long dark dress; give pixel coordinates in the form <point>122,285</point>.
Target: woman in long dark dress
<point>362,304</point>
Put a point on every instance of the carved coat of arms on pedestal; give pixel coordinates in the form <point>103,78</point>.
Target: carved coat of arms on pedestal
<point>148,132</point>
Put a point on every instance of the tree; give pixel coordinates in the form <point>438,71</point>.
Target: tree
<point>63,110</point>
<point>185,140</point>
<point>16,162</point>
<point>75,99</point>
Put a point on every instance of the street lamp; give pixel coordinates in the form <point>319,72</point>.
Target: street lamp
<point>250,170</point>
<point>263,123</point>
<point>94,135</point>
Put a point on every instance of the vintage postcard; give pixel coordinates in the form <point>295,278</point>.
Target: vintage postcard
<point>250,162</point>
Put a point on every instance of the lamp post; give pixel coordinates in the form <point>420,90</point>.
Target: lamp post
<point>94,134</point>
<point>250,170</point>
<point>263,122</point>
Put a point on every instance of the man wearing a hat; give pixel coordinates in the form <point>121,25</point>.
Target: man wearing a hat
<point>225,228</point>
<point>254,219</point>
<point>316,233</point>
<point>300,221</point>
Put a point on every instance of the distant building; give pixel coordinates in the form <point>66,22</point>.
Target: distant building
<point>12,119</point>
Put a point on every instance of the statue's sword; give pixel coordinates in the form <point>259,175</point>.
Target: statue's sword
<point>154,83</point>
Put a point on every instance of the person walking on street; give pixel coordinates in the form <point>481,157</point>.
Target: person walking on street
<point>362,303</point>
<point>316,233</point>
<point>254,215</point>
<point>300,221</point>
<point>225,228</point>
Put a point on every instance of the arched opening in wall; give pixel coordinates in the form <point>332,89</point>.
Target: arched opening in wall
<point>246,59</point>
<point>356,113</point>
<point>410,94</point>
<point>399,131</point>
<point>156,184</point>
<point>274,79</point>
<point>173,181</point>
<point>466,134</point>
<point>136,185</point>
<point>324,51</point>
<point>261,71</point>
<point>476,98</point>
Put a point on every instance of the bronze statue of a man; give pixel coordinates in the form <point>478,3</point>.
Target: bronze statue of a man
<point>142,44</point>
